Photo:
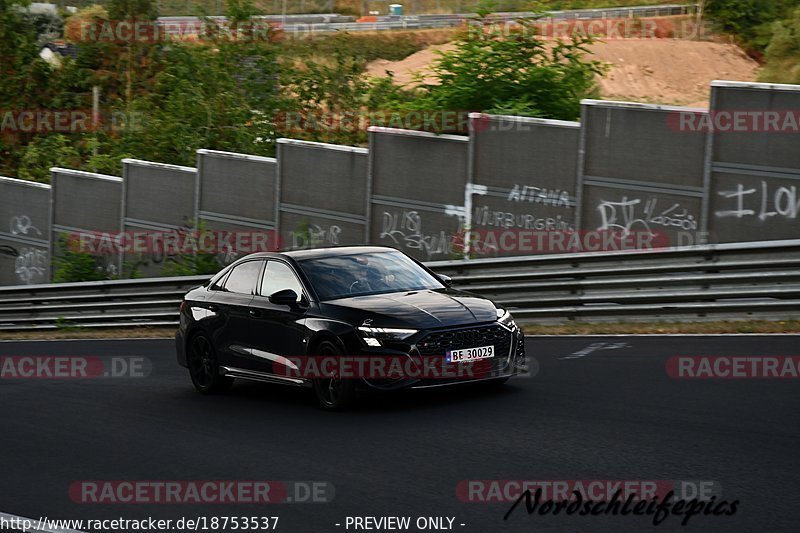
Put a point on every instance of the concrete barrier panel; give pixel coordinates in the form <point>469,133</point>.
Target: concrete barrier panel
<point>754,163</point>
<point>238,192</point>
<point>523,179</point>
<point>417,191</point>
<point>643,170</point>
<point>85,203</point>
<point>25,233</point>
<point>323,190</point>
<point>157,200</point>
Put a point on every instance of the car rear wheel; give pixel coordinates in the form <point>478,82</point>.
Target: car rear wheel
<point>333,393</point>
<point>204,368</point>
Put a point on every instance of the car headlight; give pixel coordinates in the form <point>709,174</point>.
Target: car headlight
<point>377,336</point>
<point>505,319</point>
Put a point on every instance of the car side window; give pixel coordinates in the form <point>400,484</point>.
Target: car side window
<point>242,279</point>
<point>218,283</point>
<point>279,276</point>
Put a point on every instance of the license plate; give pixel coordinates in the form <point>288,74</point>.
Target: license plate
<point>470,354</point>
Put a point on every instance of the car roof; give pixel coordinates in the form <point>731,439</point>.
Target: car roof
<point>317,253</point>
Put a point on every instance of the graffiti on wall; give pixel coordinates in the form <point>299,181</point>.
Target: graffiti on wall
<point>315,235</point>
<point>635,214</point>
<point>761,203</point>
<point>30,265</point>
<point>22,225</point>
<point>405,228</point>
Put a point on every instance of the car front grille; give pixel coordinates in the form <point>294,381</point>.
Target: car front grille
<point>438,343</point>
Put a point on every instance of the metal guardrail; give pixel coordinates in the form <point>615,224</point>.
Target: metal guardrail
<point>95,304</point>
<point>329,23</point>
<point>729,281</point>
<point>451,21</point>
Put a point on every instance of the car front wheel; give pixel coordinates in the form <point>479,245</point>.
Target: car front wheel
<point>334,393</point>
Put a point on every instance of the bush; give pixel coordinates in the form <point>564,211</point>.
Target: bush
<point>392,46</point>
<point>70,265</point>
<point>750,20</point>
<point>783,53</point>
<point>516,73</point>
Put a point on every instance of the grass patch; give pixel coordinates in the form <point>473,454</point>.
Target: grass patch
<point>663,328</point>
<point>366,46</point>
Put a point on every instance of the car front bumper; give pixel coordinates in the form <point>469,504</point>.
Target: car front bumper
<point>430,347</point>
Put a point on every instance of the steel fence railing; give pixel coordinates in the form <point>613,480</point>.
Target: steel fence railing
<point>729,281</point>
<point>330,23</point>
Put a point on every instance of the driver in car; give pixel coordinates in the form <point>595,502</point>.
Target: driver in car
<point>371,277</point>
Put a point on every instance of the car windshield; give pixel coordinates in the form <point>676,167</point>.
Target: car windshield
<point>344,276</point>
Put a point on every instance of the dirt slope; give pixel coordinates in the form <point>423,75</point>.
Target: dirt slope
<point>405,68</point>
<point>670,71</point>
<point>664,71</point>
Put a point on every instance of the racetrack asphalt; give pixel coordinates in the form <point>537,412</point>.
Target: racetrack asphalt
<point>597,409</point>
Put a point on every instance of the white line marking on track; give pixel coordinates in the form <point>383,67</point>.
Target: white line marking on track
<point>595,347</point>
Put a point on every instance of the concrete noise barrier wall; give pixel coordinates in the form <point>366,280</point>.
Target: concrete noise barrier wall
<point>25,233</point>
<point>639,173</point>
<point>522,179</point>
<point>654,176</point>
<point>158,201</point>
<point>323,194</point>
<point>754,162</point>
<point>85,216</point>
<point>238,193</point>
<point>417,191</point>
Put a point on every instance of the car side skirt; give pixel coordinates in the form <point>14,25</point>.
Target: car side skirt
<point>253,375</point>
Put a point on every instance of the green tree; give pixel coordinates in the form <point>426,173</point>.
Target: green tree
<point>329,99</point>
<point>221,97</point>
<point>192,264</point>
<point>513,72</point>
<point>44,152</point>
<point>240,10</point>
<point>71,265</point>
<point>132,9</point>
<point>749,20</point>
<point>18,50</point>
<point>783,53</point>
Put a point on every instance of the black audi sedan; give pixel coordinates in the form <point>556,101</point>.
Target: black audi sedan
<point>342,320</point>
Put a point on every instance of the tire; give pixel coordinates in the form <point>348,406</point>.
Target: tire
<point>204,368</point>
<point>333,394</point>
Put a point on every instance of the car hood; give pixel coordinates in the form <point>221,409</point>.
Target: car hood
<point>416,309</point>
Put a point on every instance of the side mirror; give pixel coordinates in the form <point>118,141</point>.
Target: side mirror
<point>284,297</point>
<point>447,280</point>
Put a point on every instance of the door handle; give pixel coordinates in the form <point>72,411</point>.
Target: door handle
<point>254,313</point>
<point>213,307</point>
